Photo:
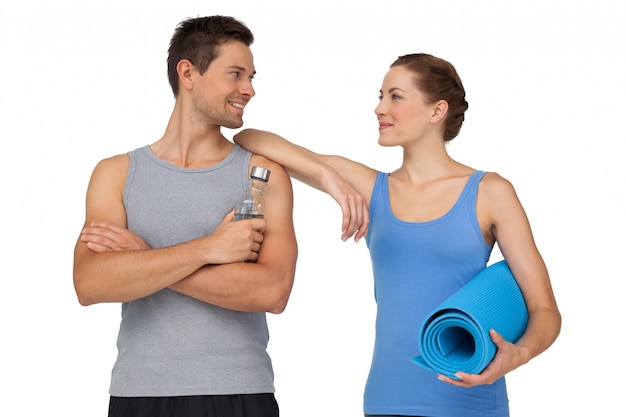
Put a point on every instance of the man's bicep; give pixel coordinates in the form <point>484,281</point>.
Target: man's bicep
<point>279,236</point>
<point>104,202</point>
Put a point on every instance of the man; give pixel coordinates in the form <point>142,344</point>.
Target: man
<point>159,237</point>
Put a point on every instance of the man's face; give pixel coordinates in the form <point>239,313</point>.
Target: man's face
<point>222,92</point>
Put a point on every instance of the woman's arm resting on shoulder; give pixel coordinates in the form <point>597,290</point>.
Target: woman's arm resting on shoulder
<point>331,174</point>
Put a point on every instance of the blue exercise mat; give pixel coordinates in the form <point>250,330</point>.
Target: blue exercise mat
<point>455,336</point>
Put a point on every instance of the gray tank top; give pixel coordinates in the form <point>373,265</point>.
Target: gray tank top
<point>170,344</point>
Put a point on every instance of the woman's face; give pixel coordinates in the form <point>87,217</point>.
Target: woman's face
<point>403,115</point>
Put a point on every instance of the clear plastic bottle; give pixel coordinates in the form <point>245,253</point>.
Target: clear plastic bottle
<point>251,203</point>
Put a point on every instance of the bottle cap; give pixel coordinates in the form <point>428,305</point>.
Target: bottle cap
<point>260,173</point>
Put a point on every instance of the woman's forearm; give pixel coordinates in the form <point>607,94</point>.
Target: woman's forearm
<point>301,163</point>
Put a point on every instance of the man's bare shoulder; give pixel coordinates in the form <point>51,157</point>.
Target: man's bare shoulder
<point>109,175</point>
<point>112,167</point>
<point>114,162</point>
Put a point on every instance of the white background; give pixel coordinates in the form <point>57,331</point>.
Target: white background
<point>80,81</point>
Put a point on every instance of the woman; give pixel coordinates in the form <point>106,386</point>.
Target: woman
<point>431,227</point>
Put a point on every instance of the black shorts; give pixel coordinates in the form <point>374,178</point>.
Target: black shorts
<point>241,405</point>
<point>387,415</point>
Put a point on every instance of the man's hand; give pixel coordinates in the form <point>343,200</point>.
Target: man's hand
<point>230,242</point>
<point>237,241</point>
<point>104,237</point>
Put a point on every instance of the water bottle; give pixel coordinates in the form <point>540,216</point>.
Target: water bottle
<point>251,203</point>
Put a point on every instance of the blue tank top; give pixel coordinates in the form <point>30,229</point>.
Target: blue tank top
<point>416,266</point>
<point>170,344</point>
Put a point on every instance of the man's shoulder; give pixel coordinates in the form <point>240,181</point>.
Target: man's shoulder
<point>116,164</point>
<point>121,158</point>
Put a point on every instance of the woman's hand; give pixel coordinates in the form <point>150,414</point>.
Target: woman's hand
<point>353,207</point>
<point>508,357</point>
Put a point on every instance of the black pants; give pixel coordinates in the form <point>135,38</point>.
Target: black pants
<point>243,405</point>
<point>386,415</point>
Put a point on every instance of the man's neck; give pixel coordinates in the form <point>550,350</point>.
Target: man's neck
<point>191,145</point>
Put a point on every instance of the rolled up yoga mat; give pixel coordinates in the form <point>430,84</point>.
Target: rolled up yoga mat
<point>455,336</point>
